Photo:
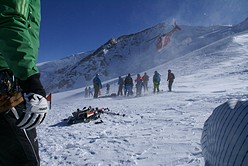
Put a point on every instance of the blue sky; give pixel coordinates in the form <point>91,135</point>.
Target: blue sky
<point>74,26</point>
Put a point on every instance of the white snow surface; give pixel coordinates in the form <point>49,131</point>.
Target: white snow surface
<point>158,129</point>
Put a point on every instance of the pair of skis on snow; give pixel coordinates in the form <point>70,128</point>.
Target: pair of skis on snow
<point>88,114</point>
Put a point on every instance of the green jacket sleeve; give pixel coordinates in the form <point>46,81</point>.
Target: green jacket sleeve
<point>19,36</point>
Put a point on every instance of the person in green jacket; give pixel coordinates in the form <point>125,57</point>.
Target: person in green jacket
<point>156,82</point>
<point>19,43</point>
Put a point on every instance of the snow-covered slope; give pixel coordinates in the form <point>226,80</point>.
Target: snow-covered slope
<point>131,54</point>
<point>51,71</point>
<point>159,129</point>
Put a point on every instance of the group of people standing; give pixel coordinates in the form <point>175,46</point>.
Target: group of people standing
<point>88,91</point>
<point>156,81</point>
<point>126,85</point>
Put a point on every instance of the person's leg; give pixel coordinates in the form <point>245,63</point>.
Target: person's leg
<point>17,147</point>
<point>120,91</point>
<point>125,90</point>
<point>129,90</point>
<point>169,85</point>
<point>140,89</point>
<point>95,92</point>
<point>156,87</point>
<point>146,86</point>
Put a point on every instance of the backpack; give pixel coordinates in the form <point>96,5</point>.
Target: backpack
<point>128,81</point>
<point>173,76</point>
<point>156,78</point>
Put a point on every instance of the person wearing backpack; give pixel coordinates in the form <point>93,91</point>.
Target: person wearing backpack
<point>97,84</point>
<point>170,79</point>
<point>128,82</point>
<point>156,81</point>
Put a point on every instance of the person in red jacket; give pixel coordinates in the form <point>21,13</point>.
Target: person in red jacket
<point>139,83</point>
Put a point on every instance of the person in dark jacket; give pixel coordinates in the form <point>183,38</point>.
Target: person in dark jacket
<point>156,82</point>
<point>128,85</point>
<point>97,84</point>
<point>120,88</point>
<point>170,79</point>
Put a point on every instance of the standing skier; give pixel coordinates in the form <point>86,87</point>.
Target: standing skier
<point>170,79</point>
<point>145,79</point>
<point>107,88</point>
<point>156,81</point>
<point>138,85</point>
<point>120,88</point>
<point>19,43</point>
<point>128,85</point>
<point>97,85</point>
<point>90,91</point>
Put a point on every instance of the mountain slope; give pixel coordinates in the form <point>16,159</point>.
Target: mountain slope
<point>131,54</point>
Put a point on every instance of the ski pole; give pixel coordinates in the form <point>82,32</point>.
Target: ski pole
<point>111,113</point>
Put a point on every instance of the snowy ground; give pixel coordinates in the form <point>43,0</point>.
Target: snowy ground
<point>158,129</point>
